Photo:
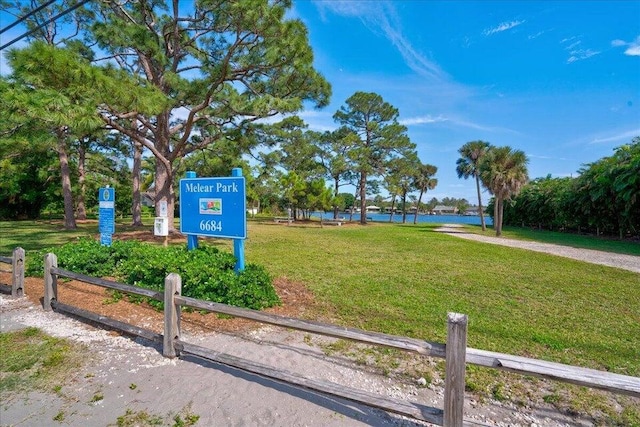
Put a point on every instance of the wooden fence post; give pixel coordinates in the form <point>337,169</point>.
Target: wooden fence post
<point>172,287</point>
<point>456,350</point>
<point>17,281</point>
<point>50,281</point>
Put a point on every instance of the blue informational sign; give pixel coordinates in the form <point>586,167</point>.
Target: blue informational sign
<point>105,239</point>
<point>213,207</point>
<point>106,214</point>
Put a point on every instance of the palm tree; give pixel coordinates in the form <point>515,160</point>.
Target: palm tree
<point>469,165</point>
<point>424,181</point>
<point>503,172</point>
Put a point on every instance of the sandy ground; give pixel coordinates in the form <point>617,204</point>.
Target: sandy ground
<point>132,377</point>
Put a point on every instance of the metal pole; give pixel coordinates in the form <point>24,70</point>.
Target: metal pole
<point>192,239</point>
<point>238,244</point>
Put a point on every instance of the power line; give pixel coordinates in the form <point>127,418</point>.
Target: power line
<point>34,11</point>
<point>64,12</point>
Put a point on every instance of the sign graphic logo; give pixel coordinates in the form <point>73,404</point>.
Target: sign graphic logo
<point>210,206</point>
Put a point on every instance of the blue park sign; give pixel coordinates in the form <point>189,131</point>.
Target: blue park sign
<point>214,207</point>
<point>106,214</point>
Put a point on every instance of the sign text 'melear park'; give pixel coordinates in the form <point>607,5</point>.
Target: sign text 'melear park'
<point>217,187</point>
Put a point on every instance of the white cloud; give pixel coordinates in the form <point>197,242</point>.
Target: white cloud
<point>504,26</point>
<point>382,16</point>
<point>536,35</point>
<point>573,45</point>
<point>422,120</point>
<point>568,39</point>
<point>534,156</point>
<point>633,48</point>
<point>624,136</point>
<point>429,119</point>
<point>578,55</point>
<point>633,51</point>
<point>481,127</point>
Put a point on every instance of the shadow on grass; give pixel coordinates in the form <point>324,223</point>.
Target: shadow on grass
<point>36,235</point>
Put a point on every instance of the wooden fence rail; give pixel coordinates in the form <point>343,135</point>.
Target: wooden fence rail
<point>17,272</point>
<point>455,352</point>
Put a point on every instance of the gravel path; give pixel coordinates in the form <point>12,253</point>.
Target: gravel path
<point>134,380</point>
<point>625,262</point>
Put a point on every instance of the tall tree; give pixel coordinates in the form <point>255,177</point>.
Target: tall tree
<point>222,65</point>
<point>335,148</point>
<point>298,148</point>
<point>424,180</point>
<point>47,31</point>
<point>503,172</point>
<point>471,155</point>
<point>57,89</point>
<point>47,96</point>
<point>381,137</point>
<point>400,179</point>
<point>29,171</point>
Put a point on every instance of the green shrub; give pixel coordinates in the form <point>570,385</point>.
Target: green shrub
<point>207,273</point>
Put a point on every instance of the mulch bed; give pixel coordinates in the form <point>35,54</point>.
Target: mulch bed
<point>295,297</point>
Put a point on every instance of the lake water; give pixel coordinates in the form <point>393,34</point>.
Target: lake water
<point>397,218</point>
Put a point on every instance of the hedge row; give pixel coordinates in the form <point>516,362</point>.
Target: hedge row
<point>207,273</point>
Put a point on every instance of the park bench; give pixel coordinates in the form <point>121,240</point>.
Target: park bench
<point>337,222</point>
<point>280,219</point>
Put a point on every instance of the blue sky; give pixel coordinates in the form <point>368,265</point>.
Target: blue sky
<point>558,80</point>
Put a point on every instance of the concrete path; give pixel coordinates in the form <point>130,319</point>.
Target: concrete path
<point>625,262</point>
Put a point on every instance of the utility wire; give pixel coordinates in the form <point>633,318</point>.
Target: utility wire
<point>36,10</point>
<point>64,12</point>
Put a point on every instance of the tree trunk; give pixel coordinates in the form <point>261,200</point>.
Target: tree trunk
<point>363,198</point>
<point>82,158</point>
<point>480,210</point>
<point>336,188</point>
<point>500,206</point>
<point>65,172</point>
<point>164,191</point>
<point>393,206</point>
<point>415,216</point>
<point>164,168</point>
<point>136,209</point>
<point>404,207</point>
<point>495,215</point>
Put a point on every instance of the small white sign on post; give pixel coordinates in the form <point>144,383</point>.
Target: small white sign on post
<point>162,208</point>
<point>161,226</point>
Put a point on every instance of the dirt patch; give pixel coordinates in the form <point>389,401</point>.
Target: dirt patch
<point>296,300</point>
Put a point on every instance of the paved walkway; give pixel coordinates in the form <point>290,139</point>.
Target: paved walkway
<point>625,262</point>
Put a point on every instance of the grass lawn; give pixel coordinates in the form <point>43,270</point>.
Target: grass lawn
<point>403,279</point>
<point>32,359</point>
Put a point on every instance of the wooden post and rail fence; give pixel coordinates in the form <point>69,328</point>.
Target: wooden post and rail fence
<point>455,351</point>
<point>17,272</point>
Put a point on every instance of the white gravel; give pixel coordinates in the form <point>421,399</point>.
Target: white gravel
<point>220,395</point>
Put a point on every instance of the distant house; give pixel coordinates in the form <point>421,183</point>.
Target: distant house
<point>444,210</point>
<point>472,210</point>
<point>148,198</point>
<point>372,209</point>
